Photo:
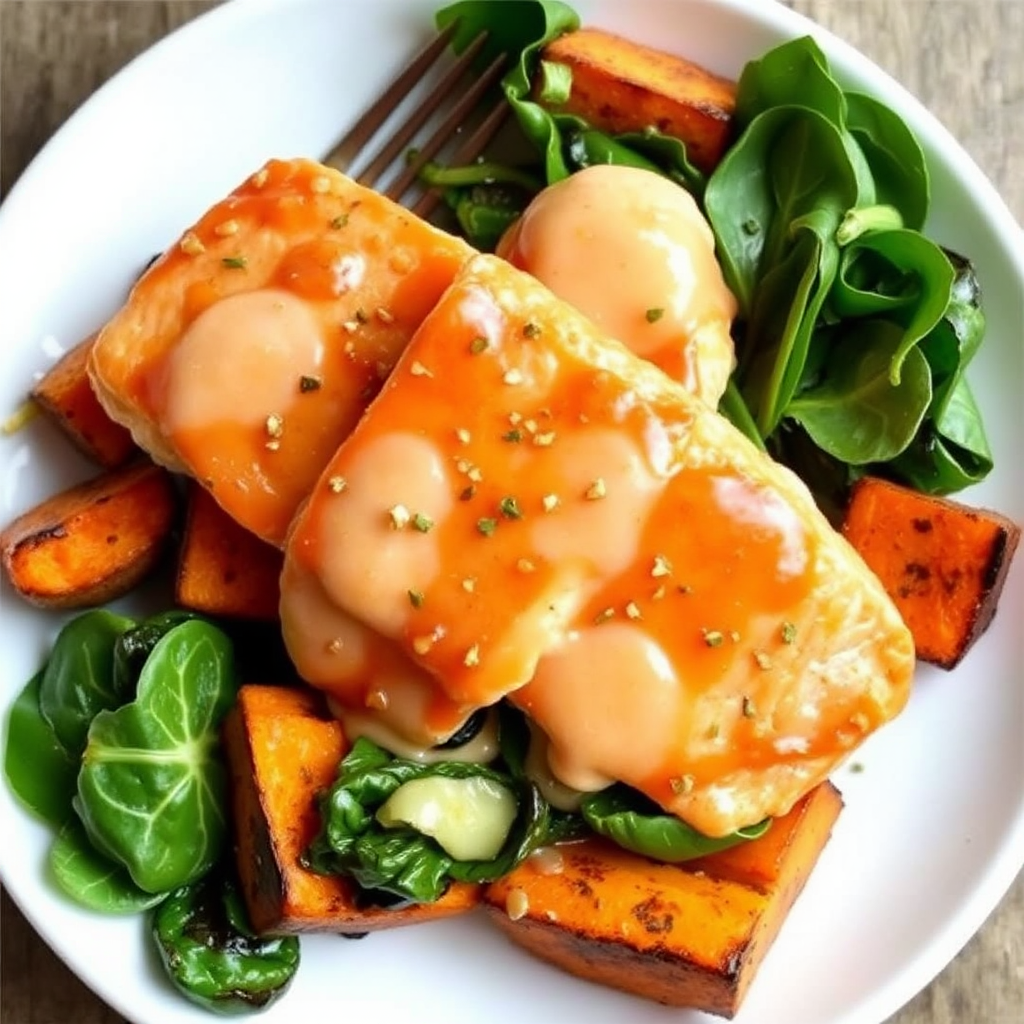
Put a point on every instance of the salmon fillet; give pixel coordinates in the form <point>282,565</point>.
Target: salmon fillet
<point>250,349</point>
<point>530,511</point>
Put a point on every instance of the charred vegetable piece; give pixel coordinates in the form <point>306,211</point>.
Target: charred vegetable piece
<point>93,542</point>
<point>212,955</point>
<point>66,397</point>
<point>283,749</point>
<point>942,563</point>
<point>223,569</point>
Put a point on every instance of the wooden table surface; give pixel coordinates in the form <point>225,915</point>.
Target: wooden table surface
<point>961,57</point>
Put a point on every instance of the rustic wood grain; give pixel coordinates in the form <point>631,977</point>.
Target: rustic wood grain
<point>961,57</point>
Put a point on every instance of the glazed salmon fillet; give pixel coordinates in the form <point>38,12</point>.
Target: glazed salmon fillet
<point>250,349</point>
<point>528,510</point>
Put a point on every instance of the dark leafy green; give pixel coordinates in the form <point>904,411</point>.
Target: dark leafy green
<point>634,823</point>
<point>134,646</point>
<point>152,788</point>
<point>79,679</point>
<point>40,772</point>
<point>403,861</point>
<point>211,954</point>
<point>92,880</point>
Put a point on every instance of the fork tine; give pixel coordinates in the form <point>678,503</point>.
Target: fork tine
<point>470,149</point>
<point>394,146</point>
<point>447,128</point>
<point>348,148</point>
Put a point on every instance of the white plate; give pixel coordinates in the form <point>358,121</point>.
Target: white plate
<point>933,832</point>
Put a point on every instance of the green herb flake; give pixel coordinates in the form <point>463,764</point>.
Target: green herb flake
<point>339,221</point>
<point>749,708</point>
<point>487,526</point>
<point>422,522</point>
<point>416,598</point>
<point>531,329</point>
<point>479,345</point>
<point>510,508</point>
<point>654,314</point>
<point>307,384</point>
<point>788,632</point>
<point>467,493</point>
<point>513,436</point>
<point>235,262</point>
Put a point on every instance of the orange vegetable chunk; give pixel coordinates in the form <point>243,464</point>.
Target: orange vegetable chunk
<point>223,569</point>
<point>943,563</point>
<point>689,935</point>
<point>249,350</point>
<point>530,510</point>
<point>282,749</point>
<point>67,398</point>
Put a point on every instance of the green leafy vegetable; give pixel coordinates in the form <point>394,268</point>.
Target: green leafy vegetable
<point>79,680</point>
<point>92,880</point>
<point>152,788</point>
<point>404,861</point>
<point>135,645</point>
<point>634,823</point>
<point>40,772</point>
<point>211,954</point>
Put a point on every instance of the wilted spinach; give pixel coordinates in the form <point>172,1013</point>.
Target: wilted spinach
<point>635,823</point>
<point>91,879</point>
<point>135,645</point>
<point>40,772</point>
<point>151,792</point>
<point>211,954</point>
<point>79,680</point>
<point>402,861</point>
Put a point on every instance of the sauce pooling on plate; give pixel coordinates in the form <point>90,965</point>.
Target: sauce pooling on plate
<point>632,251</point>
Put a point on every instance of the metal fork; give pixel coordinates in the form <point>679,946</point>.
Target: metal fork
<point>349,149</point>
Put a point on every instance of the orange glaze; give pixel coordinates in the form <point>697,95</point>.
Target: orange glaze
<point>667,604</point>
<point>299,273</point>
<point>632,251</point>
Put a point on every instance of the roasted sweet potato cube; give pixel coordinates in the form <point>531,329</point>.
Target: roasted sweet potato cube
<point>690,935</point>
<point>943,563</point>
<point>66,397</point>
<point>282,750</point>
<point>621,86</point>
<point>223,569</point>
<point>93,542</point>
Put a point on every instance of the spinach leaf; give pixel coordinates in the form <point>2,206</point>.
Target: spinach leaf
<point>38,769</point>
<point>92,880</point>
<point>734,409</point>
<point>634,823</point>
<point>210,953</point>
<point>152,789</point>
<point>135,645</point>
<point>403,861</point>
<point>894,155</point>
<point>79,681</point>
<point>857,414</point>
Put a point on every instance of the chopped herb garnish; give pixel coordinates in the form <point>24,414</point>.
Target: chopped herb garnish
<point>856,767</point>
<point>713,637</point>
<point>654,314</point>
<point>478,345</point>
<point>422,522</point>
<point>235,262</point>
<point>788,632</point>
<point>487,526</point>
<point>307,384</point>
<point>468,493</point>
<point>515,436</point>
<point>416,598</point>
<point>510,508</point>
<point>339,221</point>
<point>749,708</point>
<point>530,329</point>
